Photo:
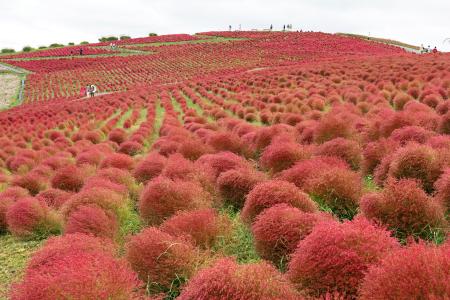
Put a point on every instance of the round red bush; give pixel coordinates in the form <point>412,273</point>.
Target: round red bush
<point>416,272</point>
<point>117,135</point>
<point>418,162</point>
<point>348,150</point>
<point>200,227</point>
<point>130,148</point>
<point>54,198</point>
<point>270,193</point>
<point>228,280</point>
<point>150,167</point>
<point>92,220</point>
<point>405,208</point>
<point>215,164</point>
<point>160,258</point>
<point>279,156</point>
<point>331,127</point>
<point>55,248</point>
<point>234,185</point>
<point>303,170</point>
<point>79,276</point>
<point>337,188</point>
<point>28,217</point>
<point>32,181</point>
<point>442,186</point>
<point>104,198</point>
<point>119,161</point>
<point>334,257</point>
<point>69,178</point>
<point>278,229</point>
<point>226,141</point>
<point>163,197</point>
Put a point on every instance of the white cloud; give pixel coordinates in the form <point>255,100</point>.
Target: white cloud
<point>28,22</point>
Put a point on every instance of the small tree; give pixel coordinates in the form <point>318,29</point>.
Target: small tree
<point>108,39</point>
<point>71,44</point>
<point>27,49</point>
<point>8,50</point>
<point>124,37</point>
<point>84,43</point>
<point>42,47</point>
<point>152,34</point>
<point>56,45</point>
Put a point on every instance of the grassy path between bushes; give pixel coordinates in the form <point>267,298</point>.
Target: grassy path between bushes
<point>14,255</point>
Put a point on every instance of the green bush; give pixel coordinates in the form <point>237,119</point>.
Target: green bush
<point>8,50</point>
<point>108,39</point>
<point>124,37</point>
<point>152,34</point>
<point>27,49</point>
<point>71,44</point>
<point>84,43</point>
<point>42,47</point>
<point>56,45</point>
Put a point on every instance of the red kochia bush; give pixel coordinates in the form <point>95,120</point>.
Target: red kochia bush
<point>118,160</point>
<point>201,227</point>
<point>331,127</point>
<point>279,155</point>
<point>151,166</point>
<point>102,197</point>
<point>234,185</point>
<point>54,198</point>
<point>270,193</point>
<point>91,219</point>
<point>418,162</point>
<point>117,135</point>
<point>163,197</point>
<point>88,275</point>
<point>228,280</point>
<point>337,188</point>
<point>335,257</point>
<point>215,164</point>
<point>57,247</point>
<point>278,229</point>
<point>130,148</point>
<point>32,181</point>
<point>405,208</point>
<point>442,186</point>
<point>7,198</point>
<point>160,258</point>
<point>303,170</point>
<point>28,217</point>
<point>417,272</point>
<point>69,179</point>
<point>348,150</point>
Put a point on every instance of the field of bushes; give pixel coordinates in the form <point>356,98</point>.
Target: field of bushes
<point>258,166</point>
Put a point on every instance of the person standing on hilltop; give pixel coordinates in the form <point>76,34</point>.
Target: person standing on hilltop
<point>435,50</point>
<point>81,51</point>
<point>271,27</point>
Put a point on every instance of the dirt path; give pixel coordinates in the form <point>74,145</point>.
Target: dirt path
<point>9,85</point>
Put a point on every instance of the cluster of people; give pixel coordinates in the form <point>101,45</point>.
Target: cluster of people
<point>288,27</point>
<point>80,51</point>
<point>113,46</point>
<point>88,91</point>
<point>427,50</point>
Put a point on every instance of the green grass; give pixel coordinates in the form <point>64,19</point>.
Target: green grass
<point>209,40</point>
<point>14,254</point>
<point>159,118</point>
<point>196,107</point>
<point>239,244</point>
<point>178,109</point>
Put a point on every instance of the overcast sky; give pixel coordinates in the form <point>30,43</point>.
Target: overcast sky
<point>42,22</point>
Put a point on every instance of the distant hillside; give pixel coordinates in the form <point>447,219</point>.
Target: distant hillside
<point>381,40</point>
